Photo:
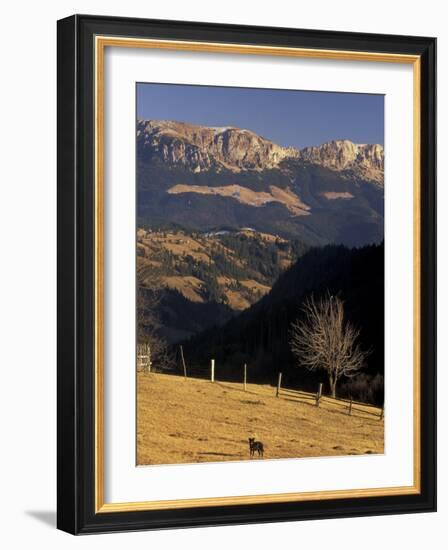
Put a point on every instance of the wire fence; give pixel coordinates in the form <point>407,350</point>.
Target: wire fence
<point>350,406</point>
<point>181,368</point>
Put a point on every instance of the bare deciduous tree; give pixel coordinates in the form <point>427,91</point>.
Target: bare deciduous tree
<point>323,339</point>
<point>148,324</point>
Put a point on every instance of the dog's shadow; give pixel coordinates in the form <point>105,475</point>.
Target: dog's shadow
<point>218,454</point>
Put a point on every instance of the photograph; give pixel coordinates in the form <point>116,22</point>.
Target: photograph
<point>259,274</point>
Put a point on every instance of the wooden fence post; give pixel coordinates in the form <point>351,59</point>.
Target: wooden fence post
<point>213,371</point>
<point>245,376</point>
<point>279,383</point>
<point>350,406</point>
<point>183,361</point>
<point>148,352</point>
<point>319,394</point>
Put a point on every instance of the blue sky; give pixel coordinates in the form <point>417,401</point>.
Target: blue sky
<point>287,117</point>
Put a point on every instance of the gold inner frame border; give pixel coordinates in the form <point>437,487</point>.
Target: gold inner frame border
<point>100,44</point>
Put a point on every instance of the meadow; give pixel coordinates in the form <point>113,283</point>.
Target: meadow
<point>194,420</point>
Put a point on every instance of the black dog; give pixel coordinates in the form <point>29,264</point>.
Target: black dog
<point>255,446</point>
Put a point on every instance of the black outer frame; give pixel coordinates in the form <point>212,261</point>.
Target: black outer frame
<point>75,402</point>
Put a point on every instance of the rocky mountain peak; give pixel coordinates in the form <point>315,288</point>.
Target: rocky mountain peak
<point>201,147</point>
<point>343,155</point>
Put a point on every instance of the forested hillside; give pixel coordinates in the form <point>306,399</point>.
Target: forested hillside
<point>203,279</point>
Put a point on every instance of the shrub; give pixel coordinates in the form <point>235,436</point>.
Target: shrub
<point>365,388</point>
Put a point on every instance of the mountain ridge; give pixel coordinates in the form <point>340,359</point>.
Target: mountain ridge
<point>206,177</point>
<point>201,148</point>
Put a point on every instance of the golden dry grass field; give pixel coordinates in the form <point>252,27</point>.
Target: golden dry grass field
<point>193,420</point>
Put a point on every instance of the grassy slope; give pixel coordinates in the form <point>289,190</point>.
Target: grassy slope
<point>181,421</point>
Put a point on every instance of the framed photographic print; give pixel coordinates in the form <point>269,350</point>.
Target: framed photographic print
<point>246,274</point>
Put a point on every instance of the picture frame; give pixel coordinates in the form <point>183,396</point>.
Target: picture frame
<point>82,194</point>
